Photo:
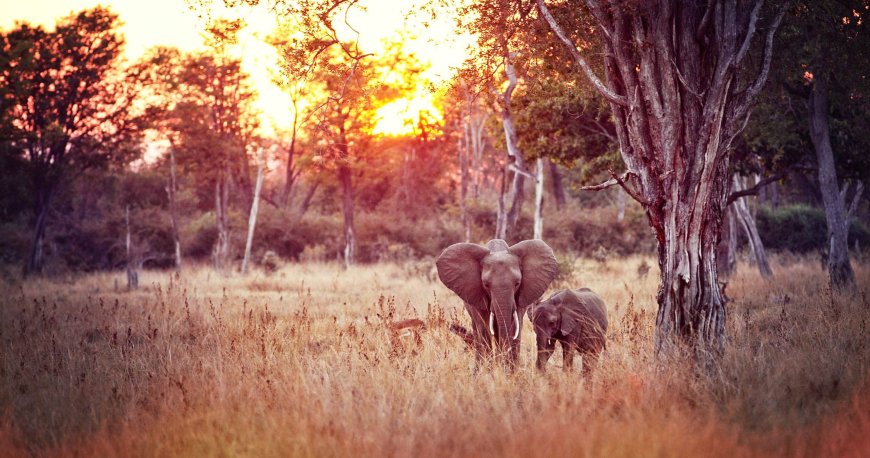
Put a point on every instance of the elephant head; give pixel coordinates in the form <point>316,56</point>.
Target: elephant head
<point>498,282</point>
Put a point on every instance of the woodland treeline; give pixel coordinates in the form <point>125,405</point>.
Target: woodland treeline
<point>153,163</point>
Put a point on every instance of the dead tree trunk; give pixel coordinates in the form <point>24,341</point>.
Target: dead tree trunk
<point>501,214</point>
<point>132,274</point>
<point>539,199</point>
<point>747,222</point>
<point>839,267</point>
<point>679,94</point>
<point>309,196</point>
<point>172,190</point>
<point>252,218</point>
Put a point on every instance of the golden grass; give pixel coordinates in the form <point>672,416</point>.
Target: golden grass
<point>300,363</point>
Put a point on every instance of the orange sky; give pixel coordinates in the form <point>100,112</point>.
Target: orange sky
<point>149,23</point>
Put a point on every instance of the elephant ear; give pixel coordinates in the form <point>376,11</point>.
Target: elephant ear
<point>570,319</point>
<point>539,268</point>
<point>459,269</point>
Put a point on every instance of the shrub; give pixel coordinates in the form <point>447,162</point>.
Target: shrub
<point>801,229</point>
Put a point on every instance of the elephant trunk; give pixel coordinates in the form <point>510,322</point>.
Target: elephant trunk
<point>505,321</point>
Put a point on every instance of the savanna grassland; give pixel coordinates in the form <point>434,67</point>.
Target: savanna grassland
<point>301,362</point>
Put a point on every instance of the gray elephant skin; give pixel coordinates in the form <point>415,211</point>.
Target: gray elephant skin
<point>498,282</point>
<point>575,318</point>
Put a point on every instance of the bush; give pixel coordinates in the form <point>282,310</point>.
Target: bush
<point>801,229</point>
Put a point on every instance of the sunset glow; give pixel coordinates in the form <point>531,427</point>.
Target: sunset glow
<point>173,23</point>
<point>400,117</point>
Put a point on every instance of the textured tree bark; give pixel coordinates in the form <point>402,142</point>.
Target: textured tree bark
<point>679,94</point>
<point>539,199</point>
<point>344,178</point>
<point>252,218</point>
<point>556,183</point>
<point>839,267</point>
<point>747,222</point>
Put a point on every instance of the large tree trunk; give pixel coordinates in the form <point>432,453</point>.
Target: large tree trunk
<point>501,213</point>
<point>747,222</point>
<point>677,88</point>
<point>252,218</point>
<point>344,178</point>
<point>839,267</point>
<point>173,209</point>
<point>538,232</point>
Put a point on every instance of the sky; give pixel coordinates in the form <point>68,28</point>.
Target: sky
<point>149,23</point>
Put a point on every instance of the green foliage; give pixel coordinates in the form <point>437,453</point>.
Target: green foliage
<point>801,229</point>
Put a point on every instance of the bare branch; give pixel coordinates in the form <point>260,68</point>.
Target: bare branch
<point>618,180</point>
<point>756,85</point>
<point>853,206</point>
<point>754,189</point>
<point>599,85</point>
<point>750,31</point>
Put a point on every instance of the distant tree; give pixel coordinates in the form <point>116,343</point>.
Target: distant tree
<point>819,105</point>
<point>65,106</point>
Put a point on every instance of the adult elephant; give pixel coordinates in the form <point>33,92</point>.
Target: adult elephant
<point>498,283</point>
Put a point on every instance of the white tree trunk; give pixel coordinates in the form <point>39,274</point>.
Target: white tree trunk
<point>539,199</point>
<point>747,222</point>
<point>173,208</point>
<point>132,274</point>
<point>252,218</point>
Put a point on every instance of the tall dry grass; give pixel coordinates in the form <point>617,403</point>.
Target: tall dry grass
<point>301,363</point>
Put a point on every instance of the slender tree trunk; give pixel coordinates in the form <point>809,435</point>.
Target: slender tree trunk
<point>539,199</point>
<point>501,214</point>
<point>463,186</point>
<point>620,205</point>
<point>344,178</point>
<point>290,174</point>
<point>726,255</point>
<point>309,196</point>
<point>132,274</point>
<point>747,222</point>
<point>43,203</point>
<point>556,183</point>
<point>222,245</point>
<point>839,267</point>
<point>515,156</point>
<point>252,219</point>
<point>173,209</point>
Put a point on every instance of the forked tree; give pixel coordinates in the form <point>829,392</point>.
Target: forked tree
<point>680,81</point>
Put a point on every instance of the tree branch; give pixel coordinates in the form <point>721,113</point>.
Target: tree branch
<point>853,207</point>
<point>750,31</point>
<point>756,85</point>
<point>618,180</point>
<point>754,189</point>
<point>599,85</point>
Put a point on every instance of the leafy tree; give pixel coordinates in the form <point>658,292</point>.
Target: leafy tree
<point>65,106</point>
<point>819,105</point>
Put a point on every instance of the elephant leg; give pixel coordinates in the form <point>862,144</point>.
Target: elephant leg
<point>545,350</point>
<point>567,356</point>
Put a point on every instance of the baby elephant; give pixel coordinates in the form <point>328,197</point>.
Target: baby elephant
<point>577,319</point>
